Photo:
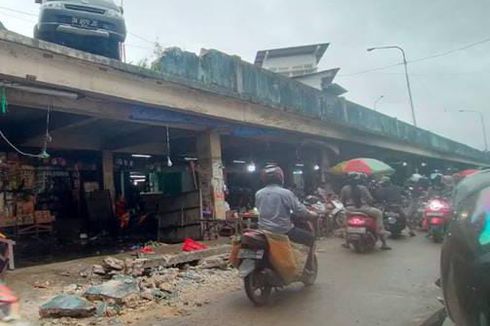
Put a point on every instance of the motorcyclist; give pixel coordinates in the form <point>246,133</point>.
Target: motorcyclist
<point>356,197</point>
<point>276,204</point>
<point>437,187</point>
<point>465,263</point>
<point>391,194</point>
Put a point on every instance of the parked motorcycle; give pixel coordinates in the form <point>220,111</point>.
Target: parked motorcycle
<point>257,269</point>
<point>361,231</point>
<point>437,215</point>
<point>394,221</point>
<point>324,225</point>
<point>336,211</point>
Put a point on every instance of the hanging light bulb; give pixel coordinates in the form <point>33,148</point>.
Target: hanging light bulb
<point>316,167</point>
<point>251,167</point>
<point>169,162</point>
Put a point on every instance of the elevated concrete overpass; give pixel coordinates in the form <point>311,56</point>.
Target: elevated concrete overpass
<point>211,91</point>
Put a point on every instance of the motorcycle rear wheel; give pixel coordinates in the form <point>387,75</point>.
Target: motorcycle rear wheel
<point>437,238</point>
<point>359,247</point>
<point>256,288</point>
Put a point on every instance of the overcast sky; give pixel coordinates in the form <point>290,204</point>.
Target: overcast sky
<point>460,80</point>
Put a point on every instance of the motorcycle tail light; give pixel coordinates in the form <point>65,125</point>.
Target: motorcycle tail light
<point>436,220</point>
<point>356,221</point>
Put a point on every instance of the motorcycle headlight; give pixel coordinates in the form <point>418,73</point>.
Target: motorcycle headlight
<point>113,13</point>
<point>54,4</point>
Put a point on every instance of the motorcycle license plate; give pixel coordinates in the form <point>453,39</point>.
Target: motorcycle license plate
<point>356,230</point>
<point>435,214</point>
<point>84,22</point>
<point>250,254</point>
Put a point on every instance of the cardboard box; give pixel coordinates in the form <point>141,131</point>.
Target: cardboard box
<point>27,219</point>
<point>43,217</point>
<point>25,207</point>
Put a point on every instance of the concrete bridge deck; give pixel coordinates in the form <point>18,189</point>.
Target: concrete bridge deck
<point>210,91</point>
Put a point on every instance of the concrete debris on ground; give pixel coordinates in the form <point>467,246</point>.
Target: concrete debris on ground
<point>118,289</point>
<point>219,261</point>
<point>112,263</point>
<point>67,306</point>
<point>98,270</point>
<point>133,284</point>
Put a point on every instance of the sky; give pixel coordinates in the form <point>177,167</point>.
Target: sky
<point>441,85</point>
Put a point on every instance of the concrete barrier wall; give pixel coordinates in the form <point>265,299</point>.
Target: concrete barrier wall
<point>229,75</point>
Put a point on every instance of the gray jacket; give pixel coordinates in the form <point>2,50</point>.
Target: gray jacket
<point>276,205</point>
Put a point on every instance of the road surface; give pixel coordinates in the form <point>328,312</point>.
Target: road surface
<point>378,289</point>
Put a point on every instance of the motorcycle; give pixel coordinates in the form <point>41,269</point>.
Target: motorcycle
<point>437,214</point>
<point>361,231</point>
<point>324,224</point>
<point>256,266</point>
<point>337,212</point>
<point>393,220</point>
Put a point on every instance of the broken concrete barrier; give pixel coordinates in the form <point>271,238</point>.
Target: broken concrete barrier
<point>118,289</point>
<point>114,264</point>
<point>67,306</point>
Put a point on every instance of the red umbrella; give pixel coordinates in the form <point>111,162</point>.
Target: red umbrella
<point>466,173</point>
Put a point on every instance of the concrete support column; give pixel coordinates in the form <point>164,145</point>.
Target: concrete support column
<point>324,164</point>
<point>108,173</point>
<point>211,180</point>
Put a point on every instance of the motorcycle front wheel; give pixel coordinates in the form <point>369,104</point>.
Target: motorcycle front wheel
<point>311,273</point>
<point>257,289</point>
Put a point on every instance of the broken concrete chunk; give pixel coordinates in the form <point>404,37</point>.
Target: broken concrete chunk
<point>98,269</point>
<point>114,263</point>
<point>67,306</point>
<point>117,289</point>
<point>70,289</point>
<point>105,309</point>
<point>219,261</point>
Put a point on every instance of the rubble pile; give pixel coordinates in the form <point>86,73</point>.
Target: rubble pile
<point>116,286</point>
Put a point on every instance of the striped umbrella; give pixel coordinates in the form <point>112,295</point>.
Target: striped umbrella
<point>368,166</point>
<point>466,173</point>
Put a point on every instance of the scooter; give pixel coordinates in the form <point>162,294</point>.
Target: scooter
<point>437,215</point>
<point>256,266</point>
<point>361,231</point>
<point>393,220</point>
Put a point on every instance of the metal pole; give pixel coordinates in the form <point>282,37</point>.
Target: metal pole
<point>483,126</point>
<point>405,64</point>
<point>377,101</point>
<point>484,130</point>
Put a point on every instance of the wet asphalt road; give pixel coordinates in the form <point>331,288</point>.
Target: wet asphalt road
<point>381,288</point>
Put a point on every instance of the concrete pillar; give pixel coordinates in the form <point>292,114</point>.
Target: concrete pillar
<point>324,164</point>
<point>108,173</point>
<point>211,180</point>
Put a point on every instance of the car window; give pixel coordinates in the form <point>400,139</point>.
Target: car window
<point>101,3</point>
